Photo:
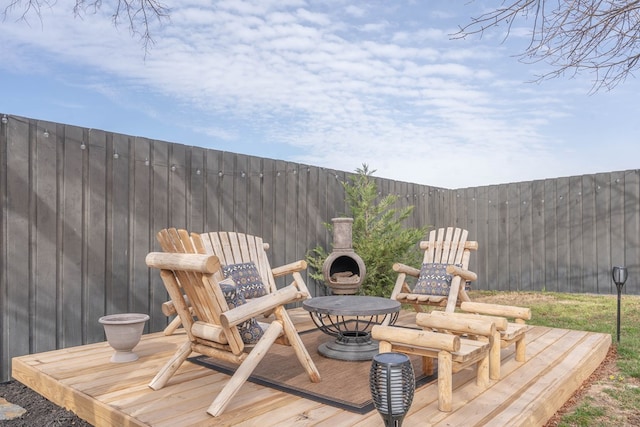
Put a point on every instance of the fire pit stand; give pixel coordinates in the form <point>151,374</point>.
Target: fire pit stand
<point>349,319</point>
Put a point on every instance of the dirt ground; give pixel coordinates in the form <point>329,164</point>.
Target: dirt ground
<point>41,412</point>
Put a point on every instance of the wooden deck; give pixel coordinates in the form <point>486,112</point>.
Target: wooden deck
<point>82,380</point>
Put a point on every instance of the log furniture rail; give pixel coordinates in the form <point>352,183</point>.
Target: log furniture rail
<point>211,327</point>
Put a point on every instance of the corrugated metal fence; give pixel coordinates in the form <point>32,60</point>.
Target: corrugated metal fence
<point>80,209</point>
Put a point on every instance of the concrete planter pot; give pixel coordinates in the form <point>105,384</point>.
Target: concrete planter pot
<point>123,333</point>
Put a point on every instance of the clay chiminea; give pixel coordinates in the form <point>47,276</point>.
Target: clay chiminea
<point>343,270</point>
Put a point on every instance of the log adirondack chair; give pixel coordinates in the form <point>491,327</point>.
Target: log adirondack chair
<point>446,251</point>
<point>200,296</point>
<point>232,248</point>
<point>450,247</point>
<point>440,340</point>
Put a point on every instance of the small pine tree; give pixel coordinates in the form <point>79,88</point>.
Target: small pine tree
<point>379,237</point>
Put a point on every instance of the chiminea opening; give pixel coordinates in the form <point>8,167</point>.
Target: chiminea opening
<point>343,270</point>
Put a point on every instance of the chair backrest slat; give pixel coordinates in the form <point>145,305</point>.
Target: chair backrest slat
<point>448,246</point>
<point>457,249</point>
<point>199,288</point>
<point>431,247</point>
<point>178,241</point>
<point>225,246</point>
<point>239,244</point>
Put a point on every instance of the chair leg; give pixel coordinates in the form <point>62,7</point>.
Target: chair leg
<point>482,374</point>
<point>521,350</point>
<point>384,347</point>
<point>172,326</point>
<point>453,295</point>
<point>494,357</point>
<point>427,365</point>
<point>298,346</point>
<point>445,382</point>
<point>245,369</point>
<point>170,368</point>
<point>400,286</point>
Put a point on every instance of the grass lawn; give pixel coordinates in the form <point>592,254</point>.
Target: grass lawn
<point>613,397</point>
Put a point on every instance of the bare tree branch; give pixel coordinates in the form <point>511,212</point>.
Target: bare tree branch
<point>137,14</point>
<point>597,36</point>
<point>28,8</point>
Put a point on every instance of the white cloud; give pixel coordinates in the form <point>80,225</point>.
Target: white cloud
<point>342,84</point>
<point>355,11</point>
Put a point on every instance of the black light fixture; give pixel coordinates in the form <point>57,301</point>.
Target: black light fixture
<point>392,384</point>
<point>619,275</point>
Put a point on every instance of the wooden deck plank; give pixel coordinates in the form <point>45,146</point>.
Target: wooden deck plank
<point>285,416</point>
<point>85,406</point>
<point>138,392</point>
<point>105,394</point>
<point>247,414</point>
<point>503,395</point>
<point>466,392</point>
<point>576,367</point>
<point>316,416</point>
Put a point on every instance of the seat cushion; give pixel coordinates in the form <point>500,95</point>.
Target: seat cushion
<point>250,330</point>
<point>247,279</point>
<point>433,280</point>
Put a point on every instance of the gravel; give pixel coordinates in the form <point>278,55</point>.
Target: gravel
<point>40,411</point>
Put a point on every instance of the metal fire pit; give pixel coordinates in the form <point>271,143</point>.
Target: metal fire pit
<point>349,320</point>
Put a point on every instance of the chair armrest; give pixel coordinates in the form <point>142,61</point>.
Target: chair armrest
<point>416,338</point>
<point>501,322</point>
<point>294,269</point>
<point>518,313</point>
<point>290,268</point>
<point>257,306</point>
<point>401,268</point>
<point>454,270</point>
<point>457,324</point>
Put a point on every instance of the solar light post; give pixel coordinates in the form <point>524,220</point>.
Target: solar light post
<point>392,384</point>
<point>619,275</point>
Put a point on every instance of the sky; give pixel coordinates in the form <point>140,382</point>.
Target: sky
<point>334,84</point>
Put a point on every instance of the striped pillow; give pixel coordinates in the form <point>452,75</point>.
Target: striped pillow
<point>247,279</point>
